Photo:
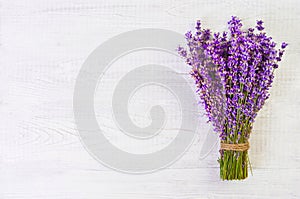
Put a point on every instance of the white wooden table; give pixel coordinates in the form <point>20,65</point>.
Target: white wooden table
<point>43,44</point>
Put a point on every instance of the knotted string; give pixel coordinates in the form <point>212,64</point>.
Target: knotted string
<point>235,147</point>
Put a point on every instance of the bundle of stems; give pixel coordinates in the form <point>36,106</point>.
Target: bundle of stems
<point>233,72</point>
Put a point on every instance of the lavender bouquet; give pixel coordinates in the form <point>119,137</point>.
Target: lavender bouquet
<point>233,72</point>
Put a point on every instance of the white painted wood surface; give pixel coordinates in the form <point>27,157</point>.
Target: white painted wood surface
<point>43,44</point>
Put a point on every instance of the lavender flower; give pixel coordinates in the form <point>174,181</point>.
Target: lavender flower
<point>233,72</point>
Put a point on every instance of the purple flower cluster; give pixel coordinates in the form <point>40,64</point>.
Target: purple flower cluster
<point>233,72</point>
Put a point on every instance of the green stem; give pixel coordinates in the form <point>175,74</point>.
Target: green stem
<point>234,165</point>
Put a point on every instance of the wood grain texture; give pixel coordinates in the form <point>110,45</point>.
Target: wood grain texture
<point>43,44</point>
